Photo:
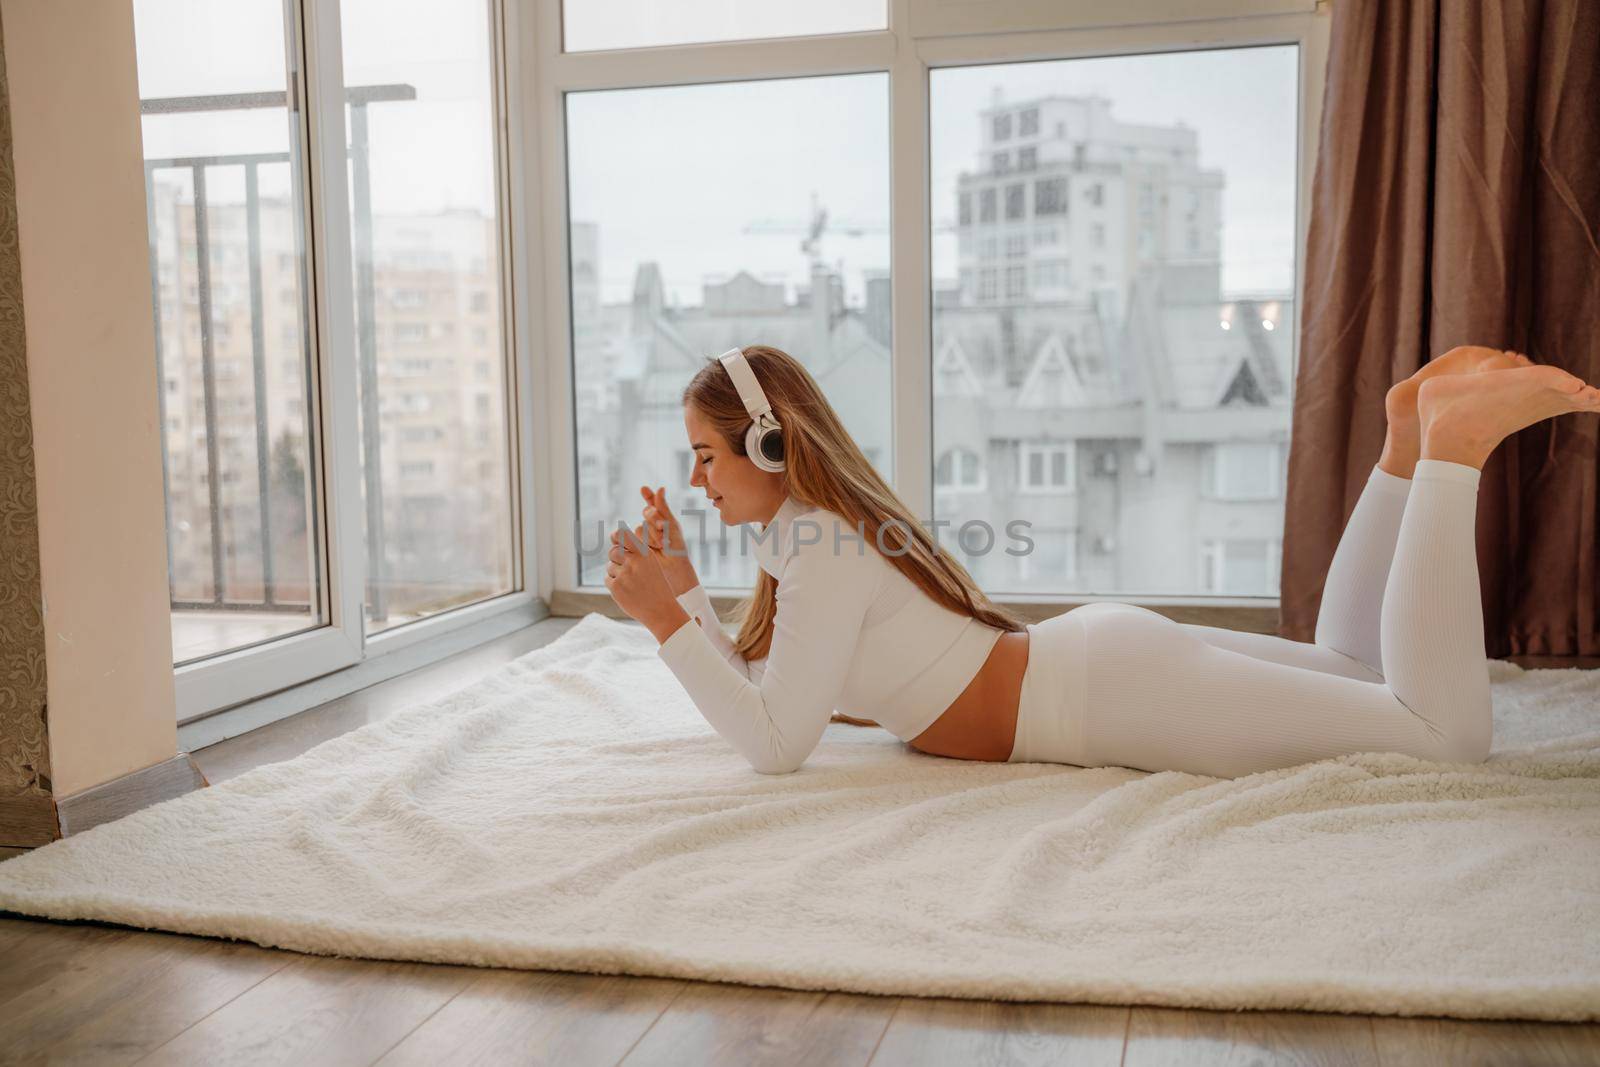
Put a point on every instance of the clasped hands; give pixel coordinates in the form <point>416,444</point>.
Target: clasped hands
<point>642,577</point>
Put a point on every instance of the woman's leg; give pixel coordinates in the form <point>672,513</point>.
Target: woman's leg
<point>1349,617</point>
<point>1282,650</point>
<point>1432,632</point>
<point>1160,697</point>
<point>1352,596</point>
<point>1347,640</point>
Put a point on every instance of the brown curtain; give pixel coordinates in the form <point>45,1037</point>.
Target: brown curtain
<point>1456,200</point>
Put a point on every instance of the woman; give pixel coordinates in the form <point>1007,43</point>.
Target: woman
<point>857,608</point>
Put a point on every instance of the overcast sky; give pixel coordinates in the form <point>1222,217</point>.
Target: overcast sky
<point>677,174</point>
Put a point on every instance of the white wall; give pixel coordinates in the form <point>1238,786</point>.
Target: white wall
<point>92,375</point>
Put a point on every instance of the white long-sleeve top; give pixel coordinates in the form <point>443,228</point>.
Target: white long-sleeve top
<point>851,634</point>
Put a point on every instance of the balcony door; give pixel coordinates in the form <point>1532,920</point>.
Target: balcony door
<point>325,203</point>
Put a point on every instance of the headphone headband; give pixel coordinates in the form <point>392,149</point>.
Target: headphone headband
<point>764,430</point>
<point>744,379</point>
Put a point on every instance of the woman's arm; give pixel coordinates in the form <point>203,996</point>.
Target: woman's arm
<point>776,721</point>
<point>697,602</point>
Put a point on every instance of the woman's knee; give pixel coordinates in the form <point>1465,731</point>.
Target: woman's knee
<point>1469,745</point>
<point>1461,728</point>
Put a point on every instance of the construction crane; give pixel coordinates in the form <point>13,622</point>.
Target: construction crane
<point>812,231</point>
<point>822,223</point>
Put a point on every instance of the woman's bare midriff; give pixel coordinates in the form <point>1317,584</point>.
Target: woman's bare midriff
<point>982,722</point>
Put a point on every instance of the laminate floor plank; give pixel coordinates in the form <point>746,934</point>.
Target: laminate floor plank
<point>319,1010</point>
<point>36,950</point>
<point>136,994</point>
<point>538,1017</point>
<point>13,931</point>
<point>1168,1037</point>
<point>714,1023</point>
<point>1480,1043</point>
<point>985,1033</point>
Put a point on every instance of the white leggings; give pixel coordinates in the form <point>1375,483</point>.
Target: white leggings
<point>1398,664</point>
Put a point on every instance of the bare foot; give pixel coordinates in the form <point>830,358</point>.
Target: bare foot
<point>1464,416</point>
<point>1402,444</point>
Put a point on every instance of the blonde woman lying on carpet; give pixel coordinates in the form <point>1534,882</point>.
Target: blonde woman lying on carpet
<point>858,610</point>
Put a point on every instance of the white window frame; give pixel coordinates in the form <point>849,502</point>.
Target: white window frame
<point>922,35</point>
<point>1026,450</point>
<point>227,694</point>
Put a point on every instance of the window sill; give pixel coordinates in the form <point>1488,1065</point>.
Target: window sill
<point>1249,614</point>
<point>518,612</point>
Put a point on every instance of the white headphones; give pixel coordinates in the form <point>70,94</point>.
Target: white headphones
<point>763,441</point>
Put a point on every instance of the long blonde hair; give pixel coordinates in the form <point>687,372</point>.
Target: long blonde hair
<point>825,468</point>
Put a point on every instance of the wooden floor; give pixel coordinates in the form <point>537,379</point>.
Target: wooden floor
<point>98,994</point>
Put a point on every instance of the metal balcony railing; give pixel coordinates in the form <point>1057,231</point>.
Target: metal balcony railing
<point>358,98</point>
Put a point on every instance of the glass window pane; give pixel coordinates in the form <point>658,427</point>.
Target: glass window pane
<point>1246,470</point>
<point>1244,569</point>
<point>1053,557</point>
<point>1141,300</point>
<point>762,220</point>
<point>228,273</point>
<point>425,222</point>
<point>592,24</point>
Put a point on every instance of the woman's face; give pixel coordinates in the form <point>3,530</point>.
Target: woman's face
<point>738,489</point>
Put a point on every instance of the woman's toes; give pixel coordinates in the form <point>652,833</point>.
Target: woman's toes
<point>1564,381</point>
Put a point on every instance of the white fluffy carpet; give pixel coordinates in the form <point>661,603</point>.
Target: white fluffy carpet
<point>573,811</point>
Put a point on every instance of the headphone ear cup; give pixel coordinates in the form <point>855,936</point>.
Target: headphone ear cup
<point>765,450</point>
<point>772,446</point>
